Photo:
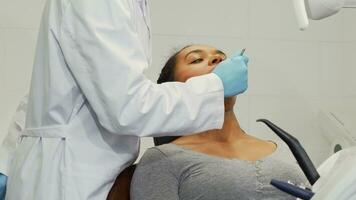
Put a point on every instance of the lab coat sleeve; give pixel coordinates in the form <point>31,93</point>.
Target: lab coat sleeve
<point>106,57</point>
<point>12,138</point>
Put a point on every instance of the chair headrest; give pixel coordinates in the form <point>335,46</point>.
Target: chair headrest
<point>164,140</point>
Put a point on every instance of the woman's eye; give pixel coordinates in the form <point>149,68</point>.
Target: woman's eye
<point>197,61</point>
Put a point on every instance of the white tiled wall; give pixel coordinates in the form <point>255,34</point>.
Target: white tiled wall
<point>20,13</point>
<point>186,17</point>
<point>337,76</point>
<point>16,57</point>
<point>290,71</point>
<point>349,28</point>
<point>19,23</point>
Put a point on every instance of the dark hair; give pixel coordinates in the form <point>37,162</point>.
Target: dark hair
<point>167,75</point>
<point>168,70</point>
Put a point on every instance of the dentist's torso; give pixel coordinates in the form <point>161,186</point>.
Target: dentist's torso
<point>64,153</point>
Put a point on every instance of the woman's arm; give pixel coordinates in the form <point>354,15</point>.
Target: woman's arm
<point>154,178</point>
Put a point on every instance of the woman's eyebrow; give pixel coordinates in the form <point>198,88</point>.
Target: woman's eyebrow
<point>200,51</point>
<point>194,51</point>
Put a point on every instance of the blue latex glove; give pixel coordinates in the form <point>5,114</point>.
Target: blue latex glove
<point>233,73</point>
<point>3,181</point>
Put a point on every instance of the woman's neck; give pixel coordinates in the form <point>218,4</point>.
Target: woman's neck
<point>230,131</point>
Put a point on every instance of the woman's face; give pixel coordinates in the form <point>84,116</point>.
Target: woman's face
<point>198,60</point>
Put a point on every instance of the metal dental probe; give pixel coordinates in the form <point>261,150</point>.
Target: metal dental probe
<point>243,51</point>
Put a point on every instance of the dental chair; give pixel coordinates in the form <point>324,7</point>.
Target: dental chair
<point>121,188</point>
<point>164,140</point>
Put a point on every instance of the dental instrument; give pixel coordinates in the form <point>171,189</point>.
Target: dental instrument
<point>292,189</point>
<point>242,51</point>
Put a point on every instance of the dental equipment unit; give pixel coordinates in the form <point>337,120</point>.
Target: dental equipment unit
<point>303,160</point>
<point>318,9</point>
<point>298,151</point>
<point>338,177</point>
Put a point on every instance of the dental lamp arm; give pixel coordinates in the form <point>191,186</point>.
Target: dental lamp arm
<point>301,14</point>
<point>318,9</point>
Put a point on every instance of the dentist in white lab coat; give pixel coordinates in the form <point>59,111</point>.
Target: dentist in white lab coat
<point>89,101</point>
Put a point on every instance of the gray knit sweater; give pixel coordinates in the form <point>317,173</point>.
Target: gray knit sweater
<point>170,172</point>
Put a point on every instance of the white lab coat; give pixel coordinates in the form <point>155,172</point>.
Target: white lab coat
<point>89,102</point>
<point>11,140</point>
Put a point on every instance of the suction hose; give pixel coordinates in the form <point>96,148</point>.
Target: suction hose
<point>298,151</point>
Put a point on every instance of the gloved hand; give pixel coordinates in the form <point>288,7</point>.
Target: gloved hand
<point>3,181</point>
<point>233,73</point>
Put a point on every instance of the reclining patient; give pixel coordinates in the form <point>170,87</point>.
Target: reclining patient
<point>226,164</point>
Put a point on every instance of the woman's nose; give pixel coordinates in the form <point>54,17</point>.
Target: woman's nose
<point>214,60</point>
